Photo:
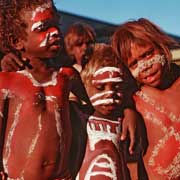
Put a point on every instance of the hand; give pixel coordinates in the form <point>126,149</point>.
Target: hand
<point>11,62</point>
<point>3,176</point>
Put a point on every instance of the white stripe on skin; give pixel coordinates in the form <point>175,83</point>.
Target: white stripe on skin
<point>111,168</point>
<point>143,64</point>
<point>52,82</point>
<point>41,9</point>
<point>108,69</point>
<point>105,102</point>
<point>48,37</point>
<point>36,25</point>
<point>10,136</point>
<point>117,79</point>
<point>99,95</point>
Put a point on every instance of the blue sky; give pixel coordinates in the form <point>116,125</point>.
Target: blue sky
<point>165,13</point>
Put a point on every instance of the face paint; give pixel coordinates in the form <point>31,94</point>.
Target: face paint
<point>106,74</point>
<point>40,10</point>
<point>39,17</point>
<point>108,78</point>
<point>48,37</point>
<point>143,64</point>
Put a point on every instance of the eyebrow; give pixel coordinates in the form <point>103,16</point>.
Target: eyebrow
<point>148,51</point>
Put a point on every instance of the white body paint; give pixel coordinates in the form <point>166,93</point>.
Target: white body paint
<point>109,164</point>
<point>143,64</point>
<point>173,169</point>
<point>41,9</point>
<point>102,133</point>
<point>52,82</point>
<point>108,69</point>
<point>48,37</point>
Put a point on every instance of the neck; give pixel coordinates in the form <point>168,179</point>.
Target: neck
<point>40,69</point>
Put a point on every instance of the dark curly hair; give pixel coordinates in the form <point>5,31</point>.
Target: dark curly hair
<point>12,25</point>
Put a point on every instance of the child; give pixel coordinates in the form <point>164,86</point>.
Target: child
<point>34,102</point>
<point>105,82</point>
<point>145,50</point>
<point>79,41</point>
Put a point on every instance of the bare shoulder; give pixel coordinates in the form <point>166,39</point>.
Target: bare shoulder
<point>68,71</point>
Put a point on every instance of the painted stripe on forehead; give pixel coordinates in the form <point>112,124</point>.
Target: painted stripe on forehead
<point>40,9</point>
<point>106,80</point>
<point>108,69</point>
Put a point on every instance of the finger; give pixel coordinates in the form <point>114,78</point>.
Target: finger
<point>124,131</point>
<point>132,140</point>
<point>15,59</point>
<point>9,66</point>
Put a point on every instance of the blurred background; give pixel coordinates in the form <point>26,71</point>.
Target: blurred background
<point>104,16</point>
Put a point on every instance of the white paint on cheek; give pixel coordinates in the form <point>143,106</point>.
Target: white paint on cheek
<point>108,69</point>
<point>145,64</point>
<point>102,161</point>
<point>10,136</point>
<point>41,9</point>
<point>99,95</point>
<point>45,41</point>
<point>48,37</point>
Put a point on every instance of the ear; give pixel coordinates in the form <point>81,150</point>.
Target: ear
<point>16,43</point>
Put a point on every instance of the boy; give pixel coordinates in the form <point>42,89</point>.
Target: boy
<point>105,81</point>
<point>145,50</point>
<point>34,102</point>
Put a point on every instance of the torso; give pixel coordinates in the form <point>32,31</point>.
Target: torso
<point>160,110</point>
<point>38,135</point>
<point>102,158</point>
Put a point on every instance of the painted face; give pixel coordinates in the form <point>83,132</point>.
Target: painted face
<point>106,91</point>
<point>82,49</point>
<point>43,35</point>
<point>147,65</point>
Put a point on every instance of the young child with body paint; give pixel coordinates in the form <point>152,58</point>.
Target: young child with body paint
<point>34,102</point>
<point>145,50</point>
<point>105,82</point>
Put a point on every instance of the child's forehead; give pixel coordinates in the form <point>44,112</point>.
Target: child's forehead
<point>39,12</point>
<point>41,9</point>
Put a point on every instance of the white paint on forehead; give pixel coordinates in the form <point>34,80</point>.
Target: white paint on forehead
<point>105,101</point>
<point>108,69</point>
<point>143,64</point>
<point>52,82</point>
<point>107,80</point>
<point>10,136</point>
<point>105,162</point>
<point>41,9</point>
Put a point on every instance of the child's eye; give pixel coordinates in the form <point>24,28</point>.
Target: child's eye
<point>100,87</point>
<point>133,64</point>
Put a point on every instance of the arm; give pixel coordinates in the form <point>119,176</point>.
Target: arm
<point>133,124</point>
